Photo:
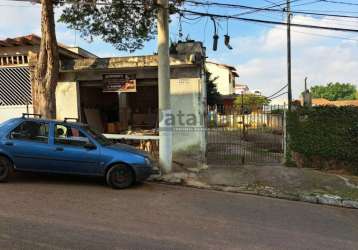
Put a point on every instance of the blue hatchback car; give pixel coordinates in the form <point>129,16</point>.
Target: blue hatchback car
<point>33,144</point>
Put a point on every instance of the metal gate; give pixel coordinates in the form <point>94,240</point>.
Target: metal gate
<point>249,136</point>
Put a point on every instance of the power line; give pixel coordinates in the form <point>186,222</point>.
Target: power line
<point>347,23</point>
<point>264,9</point>
<point>284,93</point>
<point>193,19</point>
<point>271,2</point>
<point>277,91</point>
<point>270,6</point>
<point>340,2</point>
<point>297,31</point>
<point>316,1</point>
<point>267,21</point>
<point>260,22</point>
<point>17,1</point>
<point>314,34</point>
<point>332,11</point>
<point>93,3</point>
<point>21,6</point>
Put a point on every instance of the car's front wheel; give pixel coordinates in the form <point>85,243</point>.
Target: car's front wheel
<point>120,176</point>
<point>5,168</point>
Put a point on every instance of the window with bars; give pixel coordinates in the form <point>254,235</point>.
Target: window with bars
<point>13,60</point>
<point>15,86</point>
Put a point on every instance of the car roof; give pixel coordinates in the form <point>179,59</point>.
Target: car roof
<point>52,120</point>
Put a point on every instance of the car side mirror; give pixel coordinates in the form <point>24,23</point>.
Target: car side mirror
<point>89,146</point>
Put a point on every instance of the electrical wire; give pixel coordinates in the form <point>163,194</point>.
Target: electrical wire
<point>284,93</point>
<point>193,19</point>
<point>205,26</point>
<point>331,11</point>
<point>270,6</point>
<point>278,91</point>
<point>265,9</point>
<point>268,21</point>
<point>314,34</point>
<point>271,2</point>
<point>302,4</point>
<point>20,6</point>
<point>340,2</point>
<point>96,3</point>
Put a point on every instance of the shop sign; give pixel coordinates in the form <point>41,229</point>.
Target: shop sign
<point>119,83</point>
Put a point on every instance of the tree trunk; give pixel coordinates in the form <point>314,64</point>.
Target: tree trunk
<point>44,80</point>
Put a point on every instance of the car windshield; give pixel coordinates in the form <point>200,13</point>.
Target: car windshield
<point>8,123</point>
<point>5,123</point>
<point>101,139</point>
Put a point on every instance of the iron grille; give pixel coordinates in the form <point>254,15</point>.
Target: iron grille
<point>15,86</point>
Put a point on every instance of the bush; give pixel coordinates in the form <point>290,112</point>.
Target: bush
<point>326,135</point>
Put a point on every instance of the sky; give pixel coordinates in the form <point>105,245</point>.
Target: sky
<point>259,50</point>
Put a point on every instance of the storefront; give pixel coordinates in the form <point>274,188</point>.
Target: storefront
<point>117,110</point>
<point>119,96</point>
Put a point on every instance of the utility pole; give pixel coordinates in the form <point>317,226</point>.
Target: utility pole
<point>243,116</point>
<point>289,80</point>
<point>306,83</point>
<point>165,129</point>
<point>306,96</point>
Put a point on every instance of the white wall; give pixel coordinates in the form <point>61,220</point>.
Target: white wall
<point>8,112</point>
<point>66,103</point>
<point>222,73</point>
<point>67,100</point>
<point>186,99</point>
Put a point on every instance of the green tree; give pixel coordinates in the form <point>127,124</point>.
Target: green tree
<point>250,102</point>
<point>335,91</point>
<point>126,24</point>
<point>213,96</point>
<point>45,66</point>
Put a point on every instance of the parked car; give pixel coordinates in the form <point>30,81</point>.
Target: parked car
<point>33,144</point>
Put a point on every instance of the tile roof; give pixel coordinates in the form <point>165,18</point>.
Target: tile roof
<point>325,102</point>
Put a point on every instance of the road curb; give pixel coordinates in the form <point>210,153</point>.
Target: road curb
<point>189,180</point>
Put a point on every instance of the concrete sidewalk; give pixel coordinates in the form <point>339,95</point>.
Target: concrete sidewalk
<point>274,181</point>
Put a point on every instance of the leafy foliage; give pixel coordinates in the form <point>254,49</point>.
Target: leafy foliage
<point>248,103</point>
<point>251,100</point>
<point>125,24</point>
<point>278,111</point>
<point>327,132</point>
<point>213,96</point>
<point>335,91</point>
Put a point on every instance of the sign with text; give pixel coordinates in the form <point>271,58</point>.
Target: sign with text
<point>119,83</point>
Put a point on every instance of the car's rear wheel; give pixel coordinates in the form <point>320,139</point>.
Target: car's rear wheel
<point>120,176</point>
<point>5,168</point>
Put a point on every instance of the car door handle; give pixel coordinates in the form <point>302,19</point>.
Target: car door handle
<point>9,143</point>
<point>59,149</point>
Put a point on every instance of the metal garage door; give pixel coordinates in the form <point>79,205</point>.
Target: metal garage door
<point>15,86</point>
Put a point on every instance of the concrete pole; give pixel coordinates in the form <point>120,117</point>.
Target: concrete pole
<point>284,126</point>
<point>306,83</point>
<point>289,73</point>
<point>165,128</point>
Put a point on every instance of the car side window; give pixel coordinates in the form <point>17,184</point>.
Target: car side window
<point>31,131</point>
<point>69,135</point>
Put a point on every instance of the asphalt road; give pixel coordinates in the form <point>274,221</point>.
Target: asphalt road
<point>46,212</point>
